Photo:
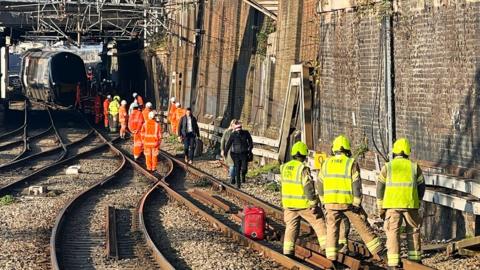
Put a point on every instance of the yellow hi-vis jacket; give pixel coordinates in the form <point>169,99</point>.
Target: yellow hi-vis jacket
<point>114,107</point>
<point>401,185</point>
<point>337,180</point>
<point>293,182</point>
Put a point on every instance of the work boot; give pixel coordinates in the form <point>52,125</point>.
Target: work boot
<point>232,180</point>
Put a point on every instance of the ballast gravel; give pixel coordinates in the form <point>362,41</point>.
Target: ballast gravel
<point>189,242</point>
<point>26,224</point>
<point>87,224</point>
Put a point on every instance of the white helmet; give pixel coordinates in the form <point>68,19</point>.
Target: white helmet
<point>172,99</point>
<point>134,95</point>
<point>148,105</point>
<point>177,104</point>
<point>151,114</point>
<point>124,102</point>
<point>109,97</point>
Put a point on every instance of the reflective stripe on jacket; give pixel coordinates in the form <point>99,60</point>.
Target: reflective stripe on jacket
<point>145,113</point>
<point>151,134</point>
<point>293,193</point>
<point>401,184</point>
<point>171,112</point>
<point>337,180</point>
<point>113,107</point>
<point>136,121</point>
<point>122,115</point>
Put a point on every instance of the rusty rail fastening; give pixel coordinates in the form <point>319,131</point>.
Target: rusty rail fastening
<point>277,213</point>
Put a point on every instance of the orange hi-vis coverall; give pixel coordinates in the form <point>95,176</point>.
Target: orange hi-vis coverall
<point>179,113</point>
<point>106,104</point>
<point>135,125</point>
<point>145,113</point>
<point>152,137</point>
<point>123,119</point>
<point>98,109</point>
<point>171,114</point>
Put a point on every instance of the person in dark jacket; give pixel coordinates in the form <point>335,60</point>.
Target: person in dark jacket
<point>240,145</point>
<point>188,131</point>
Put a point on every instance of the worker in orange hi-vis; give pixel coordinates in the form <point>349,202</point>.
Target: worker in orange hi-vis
<point>123,118</point>
<point>151,137</point>
<point>179,113</point>
<point>138,98</point>
<point>97,106</point>
<point>78,96</point>
<point>147,110</point>
<point>171,112</point>
<point>106,104</point>
<point>135,123</point>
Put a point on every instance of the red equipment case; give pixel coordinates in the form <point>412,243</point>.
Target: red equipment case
<point>253,222</point>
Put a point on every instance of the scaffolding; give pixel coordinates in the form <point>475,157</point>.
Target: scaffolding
<point>80,20</point>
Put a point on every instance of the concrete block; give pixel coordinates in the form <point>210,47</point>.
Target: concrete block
<point>73,170</point>
<point>37,190</point>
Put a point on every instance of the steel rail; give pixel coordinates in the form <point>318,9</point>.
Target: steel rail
<point>277,213</point>
<point>156,254</point>
<point>229,232</point>
<point>62,147</point>
<point>10,133</point>
<point>60,219</point>
<point>17,142</point>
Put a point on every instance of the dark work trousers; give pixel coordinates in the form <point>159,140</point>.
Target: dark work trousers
<point>189,145</point>
<point>240,162</point>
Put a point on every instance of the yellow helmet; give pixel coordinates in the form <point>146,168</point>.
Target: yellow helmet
<point>117,98</point>
<point>299,148</point>
<point>402,145</point>
<point>340,142</point>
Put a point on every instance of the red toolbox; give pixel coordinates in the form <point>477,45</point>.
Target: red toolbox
<point>253,222</point>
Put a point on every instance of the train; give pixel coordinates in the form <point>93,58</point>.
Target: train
<point>52,76</point>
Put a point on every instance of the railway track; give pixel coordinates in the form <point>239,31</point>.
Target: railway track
<point>239,198</point>
<point>28,221</point>
<point>150,223</point>
<point>75,240</point>
<point>81,229</point>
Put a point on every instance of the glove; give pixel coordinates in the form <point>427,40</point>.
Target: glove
<point>381,213</point>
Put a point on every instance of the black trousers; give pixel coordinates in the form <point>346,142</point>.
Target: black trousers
<point>189,145</point>
<point>240,162</point>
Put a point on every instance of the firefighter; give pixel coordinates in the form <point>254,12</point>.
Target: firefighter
<point>147,110</point>
<point>340,190</point>
<point>113,109</point>
<point>171,112</point>
<point>179,113</point>
<point>400,188</point>
<point>106,103</point>
<point>123,118</point>
<point>98,108</point>
<point>151,138</point>
<point>299,200</point>
<point>78,96</point>
<point>135,124</point>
